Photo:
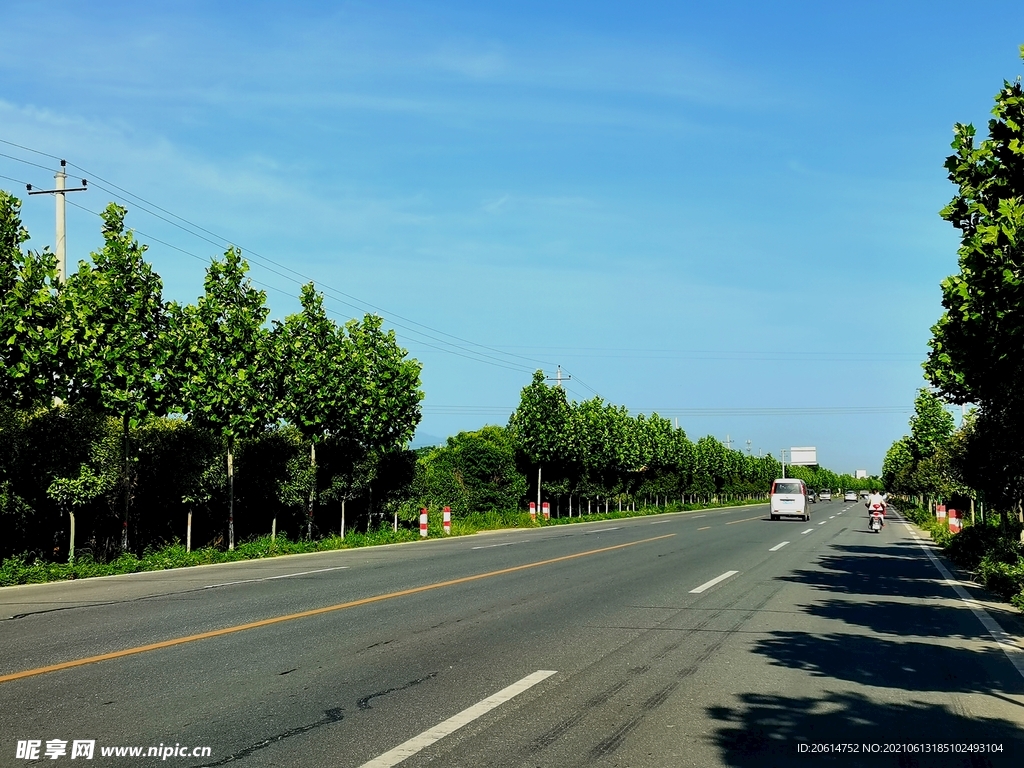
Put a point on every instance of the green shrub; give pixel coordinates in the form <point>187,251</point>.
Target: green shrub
<point>1005,579</point>
<point>976,541</point>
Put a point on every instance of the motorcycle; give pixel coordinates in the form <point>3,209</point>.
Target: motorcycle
<point>875,519</point>
<point>876,522</point>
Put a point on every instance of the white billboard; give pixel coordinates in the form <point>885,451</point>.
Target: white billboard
<point>803,456</point>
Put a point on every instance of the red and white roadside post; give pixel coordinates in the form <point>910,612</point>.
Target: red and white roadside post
<point>533,510</point>
<point>955,521</point>
<point>447,519</point>
<point>423,522</point>
<point>546,508</point>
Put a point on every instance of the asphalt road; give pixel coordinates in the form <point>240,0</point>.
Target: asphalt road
<point>687,639</point>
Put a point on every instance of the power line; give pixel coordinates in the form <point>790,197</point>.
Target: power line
<point>740,411</point>
<point>282,291</point>
<point>329,291</point>
<point>17,181</point>
<point>29,149</point>
<point>26,162</point>
<point>324,287</point>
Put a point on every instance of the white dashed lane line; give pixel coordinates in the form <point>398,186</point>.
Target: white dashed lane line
<point>823,522</point>
<point>417,743</point>
<point>777,547</point>
<point>709,584</point>
<point>807,531</point>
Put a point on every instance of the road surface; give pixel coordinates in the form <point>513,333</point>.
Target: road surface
<point>713,638</point>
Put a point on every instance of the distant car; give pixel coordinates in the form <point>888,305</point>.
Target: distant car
<point>812,497</point>
<point>865,494</point>
<point>789,497</point>
<point>850,496</point>
<point>825,495</point>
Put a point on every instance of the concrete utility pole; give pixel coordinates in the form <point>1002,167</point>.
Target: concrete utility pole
<point>558,383</point>
<point>59,246</point>
<point>557,378</point>
<point>748,448</point>
<point>728,442</point>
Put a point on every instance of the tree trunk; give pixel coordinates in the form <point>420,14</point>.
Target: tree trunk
<point>71,546</point>
<point>369,509</point>
<point>231,493</point>
<point>127,489</point>
<point>312,491</point>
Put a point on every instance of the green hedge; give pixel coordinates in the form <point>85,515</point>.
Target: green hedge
<point>994,556</point>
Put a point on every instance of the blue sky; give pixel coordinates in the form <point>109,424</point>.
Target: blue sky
<point>725,212</point>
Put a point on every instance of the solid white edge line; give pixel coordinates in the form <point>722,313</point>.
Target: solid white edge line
<point>417,743</point>
<point>271,578</point>
<point>1002,638</point>
<point>602,530</point>
<point>777,547</point>
<point>809,530</point>
<point>709,584</point>
<point>492,546</point>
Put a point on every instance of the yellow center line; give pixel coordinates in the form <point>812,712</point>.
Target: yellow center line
<point>745,521</point>
<point>305,614</point>
<point>704,528</point>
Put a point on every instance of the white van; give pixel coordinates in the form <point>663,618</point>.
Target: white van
<point>789,497</point>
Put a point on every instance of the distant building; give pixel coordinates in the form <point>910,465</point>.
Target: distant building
<point>861,473</point>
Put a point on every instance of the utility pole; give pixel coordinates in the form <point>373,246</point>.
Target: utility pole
<point>728,442</point>
<point>60,190</point>
<point>557,378</point>
<point>748,449</point>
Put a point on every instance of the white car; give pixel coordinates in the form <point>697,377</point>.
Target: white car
<point>850,496</point>
<point>825,495</point>
<point>789,497</point>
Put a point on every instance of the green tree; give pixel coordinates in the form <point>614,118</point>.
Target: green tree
<point>930,426</point>
<point>975,345</point>
<point>29,333</point>
<point>226,374</point>
<point>474,472</point>
<point>539,424</point>
<point>317,381</point>
<point>898,462</point>
<point>116,333</point>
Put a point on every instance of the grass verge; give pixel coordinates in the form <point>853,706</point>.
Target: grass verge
<point>994,556</point>
<point>29,570</point>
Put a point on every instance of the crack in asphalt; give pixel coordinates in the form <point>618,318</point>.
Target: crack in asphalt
<point>364,703</point>
<point>330,716</point>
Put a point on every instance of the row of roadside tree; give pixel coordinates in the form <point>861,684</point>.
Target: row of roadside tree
<point>98,368</point>
<point>148,421</point>
<point>976,359</point>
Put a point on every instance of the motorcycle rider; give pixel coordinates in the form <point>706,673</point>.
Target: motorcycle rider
<point>876,500</point>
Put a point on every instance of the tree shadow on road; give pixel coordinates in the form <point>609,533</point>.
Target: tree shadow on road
<point>882,621</point>
<point>768,730</point>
